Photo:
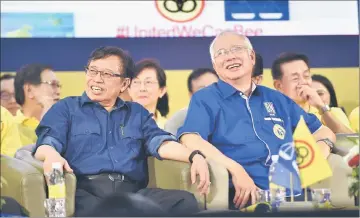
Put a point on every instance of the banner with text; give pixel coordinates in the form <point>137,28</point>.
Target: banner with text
<point>199,18</point>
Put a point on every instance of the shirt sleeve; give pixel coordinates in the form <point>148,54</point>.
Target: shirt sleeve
<point>199,119</point>
<point>10,138</point>
<point>153,135</point>
<point>54,127</point>
<point>296,112</point>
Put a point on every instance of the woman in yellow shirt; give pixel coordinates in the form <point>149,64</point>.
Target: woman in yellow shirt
<point>326,91</point>
<point>148,88</point>
<point>10,138</point>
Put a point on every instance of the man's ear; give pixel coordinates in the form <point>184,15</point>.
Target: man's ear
<point>28,91</point>
<point>277,84</point>
<point>124,85</point>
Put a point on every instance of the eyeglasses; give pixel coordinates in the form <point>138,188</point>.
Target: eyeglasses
<point>234,50</point>
<point>6,95</point>
<point>103,73</point>
<point>147,83</point>
<point>54,84</point>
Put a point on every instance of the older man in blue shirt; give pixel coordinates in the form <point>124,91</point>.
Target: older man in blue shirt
<point>105,141</point>
<point>241,125</point>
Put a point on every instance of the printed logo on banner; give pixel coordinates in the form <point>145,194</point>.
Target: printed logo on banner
<point>180,11</point>
<point>254,10</point>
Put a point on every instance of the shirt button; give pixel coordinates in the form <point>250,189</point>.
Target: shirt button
<point>86,131</point>
<point>109,132</point>
<point>111,147</point>
<point>116,161</point>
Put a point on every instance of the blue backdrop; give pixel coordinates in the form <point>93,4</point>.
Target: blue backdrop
<point>70,54</point>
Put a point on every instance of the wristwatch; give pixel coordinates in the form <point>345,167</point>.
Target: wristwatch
<point>195,153</point>
<point>328,142</point>
<point>324,109</point>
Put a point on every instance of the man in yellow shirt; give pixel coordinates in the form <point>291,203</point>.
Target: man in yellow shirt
<point>7,94</point>
<point>36,90</point>
<point>10,139</point>
<point>292,77</point>
<point>354,119</point>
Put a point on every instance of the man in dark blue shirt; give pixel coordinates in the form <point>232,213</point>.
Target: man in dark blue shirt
<point>106,141</point>
<point>241,125</point>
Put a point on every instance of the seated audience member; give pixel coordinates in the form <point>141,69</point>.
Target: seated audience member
<point>257,75</point>
<point>354,119</point>
<point>148,88</point>
<point>7,96</point>
<point>106,141</point>
<point>326,91</point>
<point>239,124</point>
<point>198,79</point>
<point>10,139</point>
<point>292,77</point>
<point>36,90</point>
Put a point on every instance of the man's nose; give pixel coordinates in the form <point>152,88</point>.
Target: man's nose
<point>98,77</point>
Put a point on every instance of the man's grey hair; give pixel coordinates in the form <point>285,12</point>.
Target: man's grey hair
<point>211,48</point>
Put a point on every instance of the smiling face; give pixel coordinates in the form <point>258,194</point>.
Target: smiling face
<point>145,88</point>
<point>233,58</point>
<point>7,97</point>
<point>294,73</point>
<point>104,88</point>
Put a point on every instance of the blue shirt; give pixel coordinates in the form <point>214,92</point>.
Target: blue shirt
<point>95,141</point>
<point>248,130</point>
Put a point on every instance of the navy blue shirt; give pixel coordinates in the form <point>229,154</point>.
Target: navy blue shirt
<point>248,130</point>
<point>95,141</point>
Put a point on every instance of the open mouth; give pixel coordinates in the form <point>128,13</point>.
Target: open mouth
<point>233,66</point>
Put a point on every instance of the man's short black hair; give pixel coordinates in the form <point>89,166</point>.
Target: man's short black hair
<point>28,74</point>
<point>106,51</point>
<point>196,74</point>
<point>286,58</point>
<point>6,77</point>
<point>258,67</point>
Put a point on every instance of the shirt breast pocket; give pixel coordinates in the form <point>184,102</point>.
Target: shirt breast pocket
<point>132,140</point>
<point>85,136</point>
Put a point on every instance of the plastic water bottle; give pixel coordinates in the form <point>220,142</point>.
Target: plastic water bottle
<point>55,204</point>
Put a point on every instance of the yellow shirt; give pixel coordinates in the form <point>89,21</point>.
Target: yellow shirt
<point>354,119</point>
<point>336,112</point>
<point>27,126</point>
<point>10,139</point>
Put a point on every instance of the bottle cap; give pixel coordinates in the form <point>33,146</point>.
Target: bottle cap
<point>56,165</point>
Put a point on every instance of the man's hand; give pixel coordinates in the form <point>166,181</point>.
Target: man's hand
<point>245,187</point>
<point>200,167</point>
<point>53,158</point>
<point>310,95</point>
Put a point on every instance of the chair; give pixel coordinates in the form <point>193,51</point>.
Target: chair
<point>168,174</point>
<point>23,184</point>
<point>165,174</point>
<point>24,154</point>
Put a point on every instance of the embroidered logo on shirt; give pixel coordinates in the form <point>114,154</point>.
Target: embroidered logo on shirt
<point>270,108</point>
<point>279,131</point>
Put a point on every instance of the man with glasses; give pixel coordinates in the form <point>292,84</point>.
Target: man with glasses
<point>7,94</point>
<point>106,141</point>
<point>239,124</point>
<point>36,90</point>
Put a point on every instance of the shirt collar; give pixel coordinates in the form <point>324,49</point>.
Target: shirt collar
<point>228,90</point>
<point>85,100</point>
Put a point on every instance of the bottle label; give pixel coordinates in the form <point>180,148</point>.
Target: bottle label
<point>57,191</point>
